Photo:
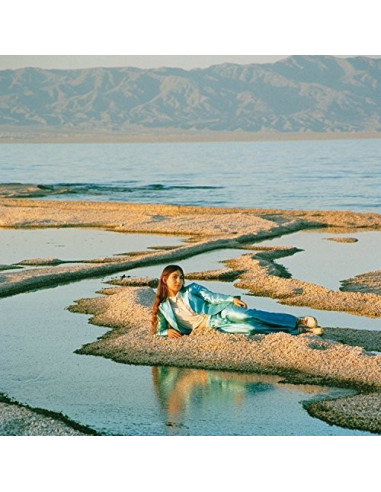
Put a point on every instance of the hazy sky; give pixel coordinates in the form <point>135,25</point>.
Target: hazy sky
<point>142,61</point>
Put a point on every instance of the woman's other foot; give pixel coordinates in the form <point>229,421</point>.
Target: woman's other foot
<point>309,324</point>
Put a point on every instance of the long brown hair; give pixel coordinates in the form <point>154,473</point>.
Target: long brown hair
<point>162,292</point>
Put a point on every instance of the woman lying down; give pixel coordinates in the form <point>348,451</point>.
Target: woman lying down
<point>179,309</point>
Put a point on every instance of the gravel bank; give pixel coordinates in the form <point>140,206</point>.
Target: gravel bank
<point>261,276</point>
<point>127,310</point>
<point>366,282</point>
<point>21,420</point>
<point>361,412</point>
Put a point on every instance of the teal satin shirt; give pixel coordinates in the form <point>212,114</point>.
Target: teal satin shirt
<point>199,299</point>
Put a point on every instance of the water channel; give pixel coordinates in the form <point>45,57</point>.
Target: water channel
<point>38,337</point>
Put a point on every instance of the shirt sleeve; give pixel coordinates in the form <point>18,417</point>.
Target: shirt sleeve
<point>162,327</point>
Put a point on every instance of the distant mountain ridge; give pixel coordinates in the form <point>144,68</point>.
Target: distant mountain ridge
<point>297,94</point>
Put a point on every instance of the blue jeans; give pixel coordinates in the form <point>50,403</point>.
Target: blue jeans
<point>234,319</point>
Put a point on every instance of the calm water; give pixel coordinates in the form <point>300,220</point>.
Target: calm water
<point>328,175</point>
<point>39,367</point>
<point>74,244</point>
<point>326,262</point>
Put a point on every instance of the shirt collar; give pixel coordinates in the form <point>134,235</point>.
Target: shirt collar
<point>174,298</point>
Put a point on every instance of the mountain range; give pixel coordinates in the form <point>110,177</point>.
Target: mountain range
<point>297,94</point>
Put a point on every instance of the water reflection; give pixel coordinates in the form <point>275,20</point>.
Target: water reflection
<point>180,390</point>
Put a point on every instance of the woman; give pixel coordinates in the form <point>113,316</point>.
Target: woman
<point>179,309</point>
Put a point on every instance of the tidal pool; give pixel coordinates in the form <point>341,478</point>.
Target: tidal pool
<point>325,262</point>
<point>70,244</point>
<point>38,337</point>
<point>39,367</point>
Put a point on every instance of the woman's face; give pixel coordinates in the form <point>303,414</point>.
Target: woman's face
<point>175,281</point>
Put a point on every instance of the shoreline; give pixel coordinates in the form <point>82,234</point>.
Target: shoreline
<point>341,357</point>
<point>18,135</point>
<point>18,419</point>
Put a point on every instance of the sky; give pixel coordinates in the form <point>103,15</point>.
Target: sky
<point>186,62</point>
<point>142,61</point>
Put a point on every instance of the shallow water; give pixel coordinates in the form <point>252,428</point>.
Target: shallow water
<point>70,244</point>
<point>39,368</point>
<point>15,244</point>
<point>326,262</point>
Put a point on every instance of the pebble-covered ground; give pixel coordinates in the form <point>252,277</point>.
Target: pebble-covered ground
<point>20,420</point>
<point>127,310</point>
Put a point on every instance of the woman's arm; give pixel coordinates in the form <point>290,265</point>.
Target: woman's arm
<point>164,330</point>
<point>214,297</point>
<point>162,325</point>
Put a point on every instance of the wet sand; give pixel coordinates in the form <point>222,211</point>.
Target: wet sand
<point>367,282</point>
<point>340,357</point>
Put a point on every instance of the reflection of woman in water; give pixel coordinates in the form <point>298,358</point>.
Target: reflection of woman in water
<point>175,385</point>
<point>179,309</point>
<point>179,389</point>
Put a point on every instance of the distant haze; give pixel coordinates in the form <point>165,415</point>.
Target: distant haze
<point>187,62</point>
<point>302,94</point>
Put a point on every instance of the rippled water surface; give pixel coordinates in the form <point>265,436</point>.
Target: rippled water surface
<point>326,175</point>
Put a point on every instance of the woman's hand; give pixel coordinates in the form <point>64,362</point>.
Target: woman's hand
<point>171,333</point>
<point>239,303</point>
